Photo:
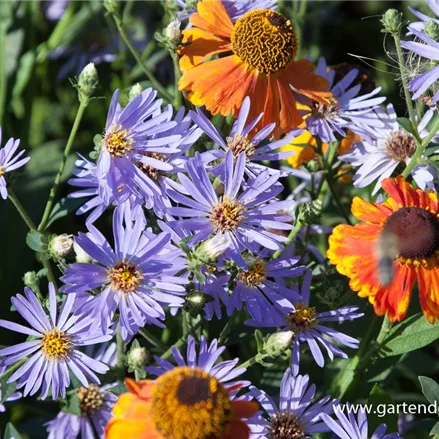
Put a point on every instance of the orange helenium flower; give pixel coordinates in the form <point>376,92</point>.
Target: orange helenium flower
<point>410,215</point>
<point>263,45</point>
<point>184,403</point>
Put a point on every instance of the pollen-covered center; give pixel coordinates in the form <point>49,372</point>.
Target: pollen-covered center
<point>118,142</point>
<point>2,171</point>
<point>125,276</point>
<point>416,230</point>
<point>304,318</point>
<point>401,145</point>
<point>265,40</point>
<point>255,276</point>
<point>56,345</point>
<point>90,399</point>
<point>150,171</point>
<point>326,110</point>
<point>227,215</point>
<point>188,403</point>
<point>285,425</point>
<point>239,144</point>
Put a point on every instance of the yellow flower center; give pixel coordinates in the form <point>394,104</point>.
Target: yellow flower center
<point>326,110</point>
<point>238,144</point>
<point>56,345</point>
<point>304,318</point>
<point>227,215</point>
<point>2,171</point>
<point>255,276</point>
<point>190,404</point>
<point>401,145</point>
<point>265,40</point>
<point>125,277</point>
<point>150,171</point>
<point>118,142</point>
<point>90,399</point>
<point>285,425</point>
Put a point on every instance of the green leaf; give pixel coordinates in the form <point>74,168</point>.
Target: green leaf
<point>63,208</point>
<point>11,432</point>
<point>409,335</point>
<point>36,241</point>
<point>118,390</point>
<point>7,389</point>
<point>384,410</point>
<point>430,389</point>
<point>71,405</point>
<point>405,123</point>
<point>259,339</point>
<point>435,429</point>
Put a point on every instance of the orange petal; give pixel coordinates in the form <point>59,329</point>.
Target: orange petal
<point>370,212</point>
<point>401,191</point>
<point>120,428</point>
<point>199,45</point>
<point>142,388</point>
<point>244,409</point>
<point>237,430</point>
<point>212,17</point>
<point>289,116</point>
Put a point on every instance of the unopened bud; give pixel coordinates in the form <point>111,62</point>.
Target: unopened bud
<point>211,249</point>
<point>313,165</point>
<point>173,32</point>
<point>310,212</point>
<point>392,22</point>
<point>135,91</point>
<point>81,255</point>
<point>195,301</point>
<point>30,279</point>
<point>87,82</point>
<point>137,358</point>
<point>431,29</point>
<point>60,246</point>
<point>278,343</point>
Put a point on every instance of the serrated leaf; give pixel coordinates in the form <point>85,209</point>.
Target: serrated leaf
<point>36,241</point>
<point>11,432</point>
<point>409,335</point>
<point>405,123</point>
<point>430,389</point>
<point>63,208</point>
<point>379,398</point>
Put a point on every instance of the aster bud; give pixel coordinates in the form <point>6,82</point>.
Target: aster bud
<point>277,343</point>
<point>172,32</point>
<point>135,91</point>
<point>211,249</point>
<point>310,212</point>
<point>137,358</point>
<point>431,29</point>
<point>392,22</point>
<point>87,82</point>
<point>30,279</point>
<point>195,301</point>
<point>81,255</point>
<point>313,165</point>
<point>60,246</point>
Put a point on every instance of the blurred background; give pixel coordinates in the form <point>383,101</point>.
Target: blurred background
<point>43,46</point>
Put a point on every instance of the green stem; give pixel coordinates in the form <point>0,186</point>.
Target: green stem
<point>155,83</point>
<point>260,356</point>
<point>3,74</point>
<point>47,210</point>
<point>337,200</point>
<point>289,240</point>
<point>227,329</point>
<point>180,342</point>
<point>120,348</point>
<point>13,368</point>
<point>152,339</point>
<point>178,100</point>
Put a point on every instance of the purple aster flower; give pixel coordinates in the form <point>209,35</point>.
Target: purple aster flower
<point>243,217</point>
<point>95,404</point>
<point>346,109</point>
<point>297,415</point>
<point>347,427</point>
<point>235,8</point>
<point>306,324</point>
<point>206,359</point>
<point>419,25</point>
<point>135,277</point>
<point>9,163</point>
<point>391,145</point>
<point>255,147</point>
<point>429,49</point>
<point>55,351</point>
<point>13,397</point>
<point>261,286</point>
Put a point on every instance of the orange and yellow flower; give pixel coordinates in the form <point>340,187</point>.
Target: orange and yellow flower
<point>184,403</point>
<point>263,47</point>
<point>409,215</point>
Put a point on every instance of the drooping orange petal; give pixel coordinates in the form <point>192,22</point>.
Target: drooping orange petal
<point>428,285</point>
<point>199,45</point>
<point>244,409</point>
<point>300,74</point>
<point>237,430</point>
<point>120,428</point>
<point>212,17</point>
<point>142,388</point>
<point>401,191</point>
<point>371,213</point>
<point>289,116</point>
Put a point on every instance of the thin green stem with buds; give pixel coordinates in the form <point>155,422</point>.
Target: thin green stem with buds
<point>48,209</point>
